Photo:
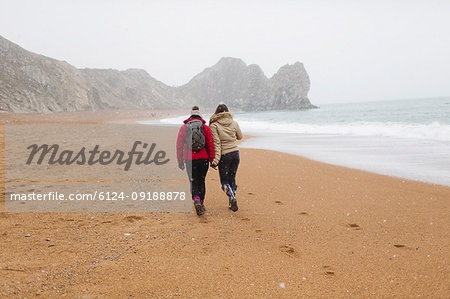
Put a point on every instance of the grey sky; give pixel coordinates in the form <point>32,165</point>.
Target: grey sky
<point>352,50</point>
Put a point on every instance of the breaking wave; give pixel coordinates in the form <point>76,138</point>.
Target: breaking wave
<point>432,131</point>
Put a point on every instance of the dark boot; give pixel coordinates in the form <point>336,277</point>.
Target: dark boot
<point>198,206</point>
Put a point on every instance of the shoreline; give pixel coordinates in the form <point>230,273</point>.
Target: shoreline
<point>376,169</point>
<point>139,116</point>
<point>342,164</point>
<point>304,228</point>
<point>99,116</point>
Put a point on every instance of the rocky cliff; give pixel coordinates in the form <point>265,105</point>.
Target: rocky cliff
<point>34,83</point>
<point>232,82</point>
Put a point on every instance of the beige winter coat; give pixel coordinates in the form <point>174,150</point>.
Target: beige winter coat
<point>225,132</point>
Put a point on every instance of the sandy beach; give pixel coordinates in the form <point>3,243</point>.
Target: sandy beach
<point>303,229</point>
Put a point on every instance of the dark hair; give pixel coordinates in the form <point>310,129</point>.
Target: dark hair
<point>221,108</point>
<point>195,108</point>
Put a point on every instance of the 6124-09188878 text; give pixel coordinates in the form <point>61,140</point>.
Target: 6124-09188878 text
<point>100,195</point>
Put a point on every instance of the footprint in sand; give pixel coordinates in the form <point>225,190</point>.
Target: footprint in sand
<point>402,246</point>
<point>203,219</point>
<point>278,202</point>
<point>328,270</point>
<point>250,193</point>
<point>303,213</point>
<point>133,218</point>
<point>258,230</point>
<point>245,219</point>
<point>227,272</point>
<point>289,250</point>
<point>206,249</point>
<point>354,226</point>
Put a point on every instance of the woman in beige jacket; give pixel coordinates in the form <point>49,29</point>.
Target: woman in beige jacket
<point>225,132</point>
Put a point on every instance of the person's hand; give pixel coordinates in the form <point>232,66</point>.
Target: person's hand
<point>181,166</point>
<point>213,164</point>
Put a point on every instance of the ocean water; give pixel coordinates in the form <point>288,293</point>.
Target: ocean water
<point>404,138</point>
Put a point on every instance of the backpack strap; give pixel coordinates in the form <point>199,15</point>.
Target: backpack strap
<point>185,142</point>
<point>206,141</point>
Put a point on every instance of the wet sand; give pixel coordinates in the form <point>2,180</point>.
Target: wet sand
<point>303,228</point>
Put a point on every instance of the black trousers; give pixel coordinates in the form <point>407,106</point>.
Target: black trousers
<point>228,166</point>
<point>197,170</point>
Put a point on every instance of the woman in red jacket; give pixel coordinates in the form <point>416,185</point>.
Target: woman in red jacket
<point>195,147</point>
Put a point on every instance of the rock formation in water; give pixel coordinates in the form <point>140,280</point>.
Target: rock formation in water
<point>232,82</point>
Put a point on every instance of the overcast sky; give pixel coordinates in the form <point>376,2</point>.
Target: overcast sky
<point>352,50</point>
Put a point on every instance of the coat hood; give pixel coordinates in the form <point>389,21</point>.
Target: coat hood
<point>192,117</point>
<point>223,118</point>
